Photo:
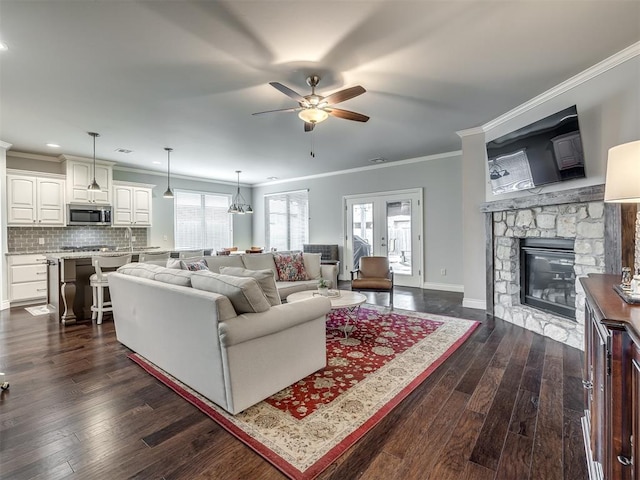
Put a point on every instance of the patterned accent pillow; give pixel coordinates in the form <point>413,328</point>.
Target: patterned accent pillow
<point>290,267</point>
<point>194,266</point>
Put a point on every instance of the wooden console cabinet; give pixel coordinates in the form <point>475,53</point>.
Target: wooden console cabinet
<point>611,381</point>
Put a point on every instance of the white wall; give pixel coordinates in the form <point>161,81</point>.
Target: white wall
<point>4,277</point>
<point>440,178</point>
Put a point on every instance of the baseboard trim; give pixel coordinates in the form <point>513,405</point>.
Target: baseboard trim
<point>474,303</point>
<point>445,287</point>
<point>4,305</point>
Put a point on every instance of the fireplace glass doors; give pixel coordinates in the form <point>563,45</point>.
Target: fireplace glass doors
<point>547,276</point>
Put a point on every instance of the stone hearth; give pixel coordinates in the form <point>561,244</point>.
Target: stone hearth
<point>578,216</point>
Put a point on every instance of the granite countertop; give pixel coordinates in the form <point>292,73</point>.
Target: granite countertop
<point>109,253</point>
<point>69,254</point>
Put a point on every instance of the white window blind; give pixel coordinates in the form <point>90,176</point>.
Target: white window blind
<point>202,221</point>
<point>287,220</point>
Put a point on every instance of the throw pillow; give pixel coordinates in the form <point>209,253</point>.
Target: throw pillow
<point>174,263</point>
<point>290,267</point>
<point>259,261</point>
<point>143,270</point>
<point>312,265</point>
<point>245,294</point>
<point>194,266</point>
<point>265,279</point>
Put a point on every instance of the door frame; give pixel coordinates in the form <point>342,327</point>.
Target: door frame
<point>419,228</point>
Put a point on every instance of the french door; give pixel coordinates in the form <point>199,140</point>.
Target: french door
<point>387,224</point>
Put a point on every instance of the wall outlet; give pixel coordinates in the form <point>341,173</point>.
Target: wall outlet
<point>133,239</point>
<point>41,241</point>
<point>443,272</point>
<point>164,238</point>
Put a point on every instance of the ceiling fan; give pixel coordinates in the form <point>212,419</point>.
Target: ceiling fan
<point>315,108</point>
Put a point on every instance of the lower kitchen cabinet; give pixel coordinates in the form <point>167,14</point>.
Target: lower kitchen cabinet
<point>27,278</point>
<point>611,381</point>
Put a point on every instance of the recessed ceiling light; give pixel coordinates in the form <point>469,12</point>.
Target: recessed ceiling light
<point>272,178</point>
<point>123,150</point>
<point>378,160</point>
<point>53,145</point>
<point>156,162</point>
<point>3,47</point>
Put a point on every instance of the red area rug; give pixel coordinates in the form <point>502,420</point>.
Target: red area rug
<point>302,429</point>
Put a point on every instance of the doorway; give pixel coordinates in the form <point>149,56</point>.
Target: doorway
<point>387,224</point>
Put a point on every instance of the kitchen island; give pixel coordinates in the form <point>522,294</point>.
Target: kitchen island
<point>69,291</point>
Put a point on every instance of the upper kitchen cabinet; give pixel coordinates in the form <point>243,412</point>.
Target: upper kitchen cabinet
<point>35,200</point>
<point>80,175</point>
<point>132,204</point>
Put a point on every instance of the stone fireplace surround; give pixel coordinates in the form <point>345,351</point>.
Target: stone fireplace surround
<point>579,214</point>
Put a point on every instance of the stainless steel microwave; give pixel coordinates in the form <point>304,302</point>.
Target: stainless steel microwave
<point>88,214</point>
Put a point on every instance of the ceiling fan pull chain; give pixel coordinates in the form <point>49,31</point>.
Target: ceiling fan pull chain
<point>313,155</point>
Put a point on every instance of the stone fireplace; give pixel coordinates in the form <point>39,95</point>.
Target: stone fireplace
<point>575,218</point>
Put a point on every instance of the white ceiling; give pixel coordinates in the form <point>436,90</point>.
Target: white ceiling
<point>187,75</point>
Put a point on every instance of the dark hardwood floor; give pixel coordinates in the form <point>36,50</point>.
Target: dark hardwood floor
<point>505,405</point>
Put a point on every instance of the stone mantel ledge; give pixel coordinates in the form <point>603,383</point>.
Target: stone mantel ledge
<point>591,193</point>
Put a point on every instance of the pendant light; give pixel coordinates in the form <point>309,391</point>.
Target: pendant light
<point>239,205</point>
<point>94,185</point>
<point>168,193</point>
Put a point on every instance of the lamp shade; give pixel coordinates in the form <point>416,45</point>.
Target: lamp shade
<point>623,174</point>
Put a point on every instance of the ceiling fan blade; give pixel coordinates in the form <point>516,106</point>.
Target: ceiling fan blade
<point>288,92</point>
<point>343,95</point>
<point>308,126</point>
<point>279,110</point>
<point>346,114</point>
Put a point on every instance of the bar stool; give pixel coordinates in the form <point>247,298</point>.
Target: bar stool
<point>100,280</point>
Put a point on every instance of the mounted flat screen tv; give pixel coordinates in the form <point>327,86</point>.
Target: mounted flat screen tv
<point>547,151</point>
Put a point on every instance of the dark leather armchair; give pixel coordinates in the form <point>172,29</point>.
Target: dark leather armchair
<point>374,275</point>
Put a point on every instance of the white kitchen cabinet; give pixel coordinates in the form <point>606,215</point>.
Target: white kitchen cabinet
<point>35,200</point>
<point>132,204</point>
<point>80,175</point>
<point>27,278</point>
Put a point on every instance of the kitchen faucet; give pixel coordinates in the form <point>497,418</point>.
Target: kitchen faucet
<point>128,234</point>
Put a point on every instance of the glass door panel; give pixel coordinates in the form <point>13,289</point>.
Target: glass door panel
<point>361,231</point>
<point>399,236</point>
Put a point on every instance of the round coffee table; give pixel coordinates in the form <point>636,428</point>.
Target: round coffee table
<point>344,300</point>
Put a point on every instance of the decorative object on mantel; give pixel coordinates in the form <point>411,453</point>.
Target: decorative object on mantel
<point>168,193</point>
<point>304,428</point>
<point>239,205</point>
<point>94,185</point>
<point>622,185</point>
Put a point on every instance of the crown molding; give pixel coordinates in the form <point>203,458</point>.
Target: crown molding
<point>470,131</point>
<point>378,166</point>
<point>604,66</point>
<point>33,156</point>
<point>183,177</point>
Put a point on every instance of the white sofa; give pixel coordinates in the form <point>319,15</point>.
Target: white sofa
<point>233,359</point>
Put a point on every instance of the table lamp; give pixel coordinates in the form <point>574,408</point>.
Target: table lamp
<point>622,184</point>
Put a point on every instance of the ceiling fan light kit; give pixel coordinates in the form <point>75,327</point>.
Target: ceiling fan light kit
<point>313,108</point>
<point>313,115</point>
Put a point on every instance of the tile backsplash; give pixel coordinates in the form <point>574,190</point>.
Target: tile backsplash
<point>27,239</point>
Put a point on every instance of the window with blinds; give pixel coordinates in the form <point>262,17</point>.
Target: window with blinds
<point>202,221</point>
<point>287,220</point>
